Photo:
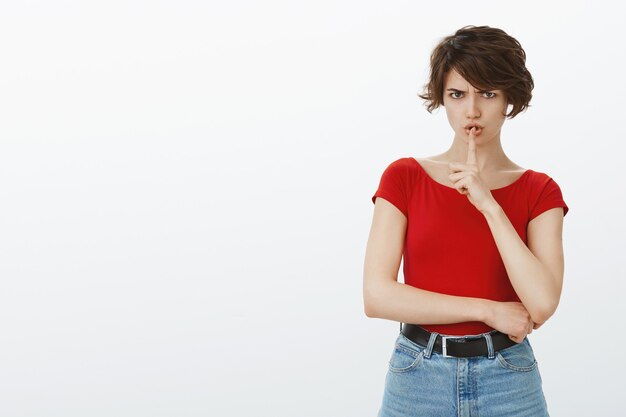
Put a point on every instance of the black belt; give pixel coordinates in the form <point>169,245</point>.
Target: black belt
<point>462,347</point>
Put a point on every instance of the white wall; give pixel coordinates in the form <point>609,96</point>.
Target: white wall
<point>185,198</point>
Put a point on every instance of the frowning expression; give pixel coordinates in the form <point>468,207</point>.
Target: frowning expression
<point>467,105</point>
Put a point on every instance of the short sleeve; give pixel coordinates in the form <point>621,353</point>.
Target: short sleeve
<point>393,186</point>
<point>549,197</point>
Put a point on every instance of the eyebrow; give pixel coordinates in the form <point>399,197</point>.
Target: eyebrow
<point>462,91</point>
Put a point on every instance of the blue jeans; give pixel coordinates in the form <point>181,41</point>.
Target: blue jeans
<point>424,383</point>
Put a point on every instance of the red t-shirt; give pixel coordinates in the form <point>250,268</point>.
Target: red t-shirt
<point>448,246</point>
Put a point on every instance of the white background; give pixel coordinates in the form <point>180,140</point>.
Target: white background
<point>186,187</point>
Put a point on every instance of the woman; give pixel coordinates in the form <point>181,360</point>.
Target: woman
<point>481,239</point>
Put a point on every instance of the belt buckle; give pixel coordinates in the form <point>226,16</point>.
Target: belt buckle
<point>444,347</point>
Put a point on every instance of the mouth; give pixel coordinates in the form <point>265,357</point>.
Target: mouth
<point>477,131</point>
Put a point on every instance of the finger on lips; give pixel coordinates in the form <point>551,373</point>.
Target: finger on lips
<point>471,148</point>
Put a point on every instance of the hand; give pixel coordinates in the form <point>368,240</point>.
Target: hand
<point>467,180</point>
<point>510,318</point>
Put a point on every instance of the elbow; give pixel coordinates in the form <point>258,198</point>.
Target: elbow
<point>548,305</point>
<point>543,315</point>
<point>539,319</point>
<point>369,306</point>
<point>539,316</point>
<point>369,312</point>
<point>371,302</point>
<point>544,309</point>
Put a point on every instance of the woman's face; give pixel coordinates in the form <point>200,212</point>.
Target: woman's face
<point>464,104</point>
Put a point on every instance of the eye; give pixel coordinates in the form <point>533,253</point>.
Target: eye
<point>489,92</point>
<point>452,94</point>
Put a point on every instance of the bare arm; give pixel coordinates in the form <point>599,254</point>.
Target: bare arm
<point>536,270</point>
<point>385,297</point>
<point>404,303</point>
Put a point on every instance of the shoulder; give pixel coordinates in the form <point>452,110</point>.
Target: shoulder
<point>540,180</point>
<point>396,183</point>
<point>544,193</point>
<point>405,162</point>
<point>404,167</point>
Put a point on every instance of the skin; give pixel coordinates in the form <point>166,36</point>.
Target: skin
<point>488,109</point>
<point>483,158</point>
<point>467,180</point>
<point>474,164</point>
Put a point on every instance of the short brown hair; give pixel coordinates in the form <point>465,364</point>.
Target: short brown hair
<point>487,58</point>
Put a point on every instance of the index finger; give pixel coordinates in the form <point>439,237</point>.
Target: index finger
<point>471,149</point>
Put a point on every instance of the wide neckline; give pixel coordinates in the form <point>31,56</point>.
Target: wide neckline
<point>452,188</point>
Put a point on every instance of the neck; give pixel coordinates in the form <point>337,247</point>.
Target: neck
<point>489,153</point>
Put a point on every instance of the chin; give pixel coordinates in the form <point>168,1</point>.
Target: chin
<point>476,138</point>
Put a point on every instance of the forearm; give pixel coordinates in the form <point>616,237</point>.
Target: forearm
<point>407,304</point>
<point>529,277</point>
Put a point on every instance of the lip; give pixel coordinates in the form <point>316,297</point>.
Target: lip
<point>477,131</point>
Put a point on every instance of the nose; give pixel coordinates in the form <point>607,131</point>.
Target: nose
<point>472,110</point>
